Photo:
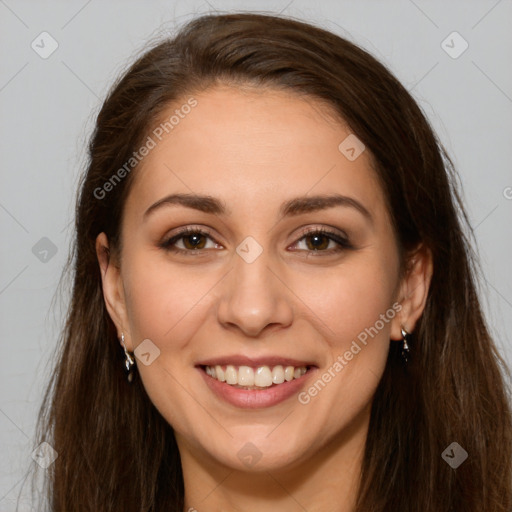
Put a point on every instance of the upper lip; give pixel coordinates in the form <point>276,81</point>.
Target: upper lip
<point>239,360</point>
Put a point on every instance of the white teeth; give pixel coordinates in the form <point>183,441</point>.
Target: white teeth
<point>260,377</point>
<point>289,373</point>
<point>245,376</point>
<point>263,377</point>
<point>299,372</point>
<point>231,374</point>
<point>278,374</point>
<point>220,373</point>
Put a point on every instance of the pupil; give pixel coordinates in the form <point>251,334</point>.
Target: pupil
<point>316,241</point>
<point>194,240</point>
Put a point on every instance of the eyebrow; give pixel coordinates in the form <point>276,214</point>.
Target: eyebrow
<point>292,207</point>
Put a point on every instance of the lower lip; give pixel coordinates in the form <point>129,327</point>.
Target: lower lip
<point>256,398</point>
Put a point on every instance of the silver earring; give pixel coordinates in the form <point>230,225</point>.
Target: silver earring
<point>405,346</point>
<point>128,362</point>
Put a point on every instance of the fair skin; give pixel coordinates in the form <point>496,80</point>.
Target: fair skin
<point>254,150</point>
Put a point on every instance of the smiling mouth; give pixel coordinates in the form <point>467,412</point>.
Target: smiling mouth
<point>255,378</point>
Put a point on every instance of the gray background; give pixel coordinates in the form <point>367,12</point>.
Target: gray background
<point>48,108</point>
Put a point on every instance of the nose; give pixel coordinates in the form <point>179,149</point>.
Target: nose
<point>254,297</point>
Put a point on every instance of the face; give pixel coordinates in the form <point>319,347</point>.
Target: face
<point>286,283</point>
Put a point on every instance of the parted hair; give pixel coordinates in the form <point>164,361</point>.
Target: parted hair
<point>117,453</point>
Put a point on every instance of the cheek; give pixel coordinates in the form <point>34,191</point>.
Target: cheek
<point>332,305</point>
<point>165,305</point>
<point>161,300</point>
<point>350,298</point>
<point>353,308</point>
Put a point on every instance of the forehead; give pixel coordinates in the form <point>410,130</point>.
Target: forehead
<point>236,143</point>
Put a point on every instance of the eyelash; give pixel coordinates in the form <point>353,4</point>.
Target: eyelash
<point>167,245</point>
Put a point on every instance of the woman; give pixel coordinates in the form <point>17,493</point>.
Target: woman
<point>274,301</point>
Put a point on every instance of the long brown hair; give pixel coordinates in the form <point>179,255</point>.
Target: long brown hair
<point>116,452</point>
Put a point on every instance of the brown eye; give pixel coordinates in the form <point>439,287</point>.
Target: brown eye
<point>192,240</point>
<point>317,241</point>
<point>323,241</point>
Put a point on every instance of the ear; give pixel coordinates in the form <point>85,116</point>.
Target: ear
<point>113,290</point>
<point>413,291</point>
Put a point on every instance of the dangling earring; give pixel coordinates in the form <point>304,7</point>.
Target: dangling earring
<point>129,362</point>
<point>405,346</point>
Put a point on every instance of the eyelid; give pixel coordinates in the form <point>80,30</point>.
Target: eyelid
<point>327,230</point>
